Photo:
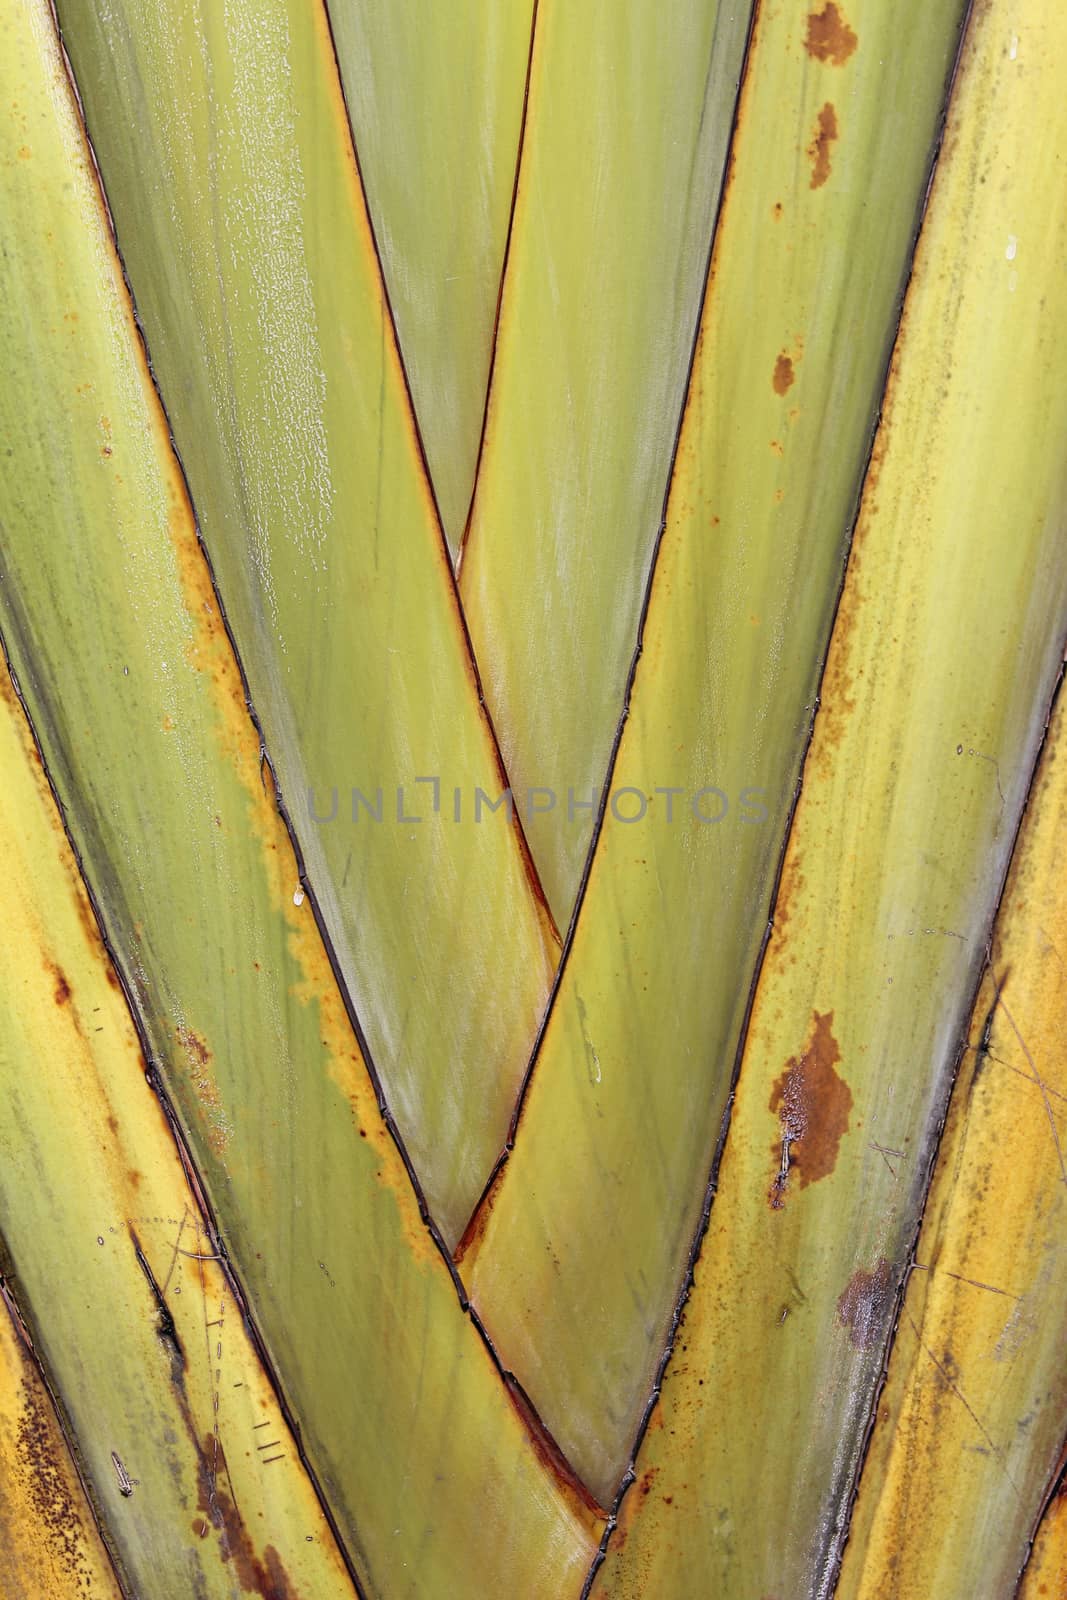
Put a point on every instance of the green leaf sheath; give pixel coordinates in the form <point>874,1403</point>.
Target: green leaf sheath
<point>627,133</point>
<point>577,1283</point>
<point>223,146</point>
<point>436,96</point>
<point>946,648</point>
<point>108,613</point>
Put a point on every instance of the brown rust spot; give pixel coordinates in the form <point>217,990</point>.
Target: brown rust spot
<point>829,37</point>
<point>813,1103</point>
<point>201,1075</point>
<point>784,376</point>
<point>47,1481</point>
<point>194,1046</point>
<point>864,1302</point>
<point>61,992</point>
<point>263,1575</point>
<point>820,146</point>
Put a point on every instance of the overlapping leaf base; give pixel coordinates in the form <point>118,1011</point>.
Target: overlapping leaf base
<point>473,474</point>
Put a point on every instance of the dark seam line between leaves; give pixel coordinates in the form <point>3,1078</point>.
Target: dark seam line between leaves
<point>154,1076</point>
<point>911,1264</point>
<point>598,826</point>
<point>969,16</point>
<point>630,1476</point>
<point>154,1080</point>
<point>494,344</point>
<point>533,877</point>
<point>66,1430</point>
<point>1057,1485</point>
<point>964,1046</point>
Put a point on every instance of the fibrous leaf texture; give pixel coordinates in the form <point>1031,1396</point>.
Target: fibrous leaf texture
<point>533,593</point>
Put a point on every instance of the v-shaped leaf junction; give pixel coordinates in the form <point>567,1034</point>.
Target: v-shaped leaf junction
<point>520,532</point>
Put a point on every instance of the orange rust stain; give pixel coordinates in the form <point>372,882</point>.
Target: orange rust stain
<point>478,1225</point>
<point>863,1304</point>
<point>838,691</point>
<point>813,1103</point>
<point>209,651</point>
<point>784,376</point>
<point>86,915</point>
<point>819,148</point>
<point>829,37</point>
<point>790,886</point>
<point>552,1459</point>
<point>776,211</point>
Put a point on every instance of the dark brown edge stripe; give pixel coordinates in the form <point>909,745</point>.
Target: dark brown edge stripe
<point>629,1475</point>
<point>464,540</point>
<point>1056,1486</point>
<point>472,1228</point>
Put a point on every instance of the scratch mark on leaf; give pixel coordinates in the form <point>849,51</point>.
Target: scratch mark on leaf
<point>1035,1075</point>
